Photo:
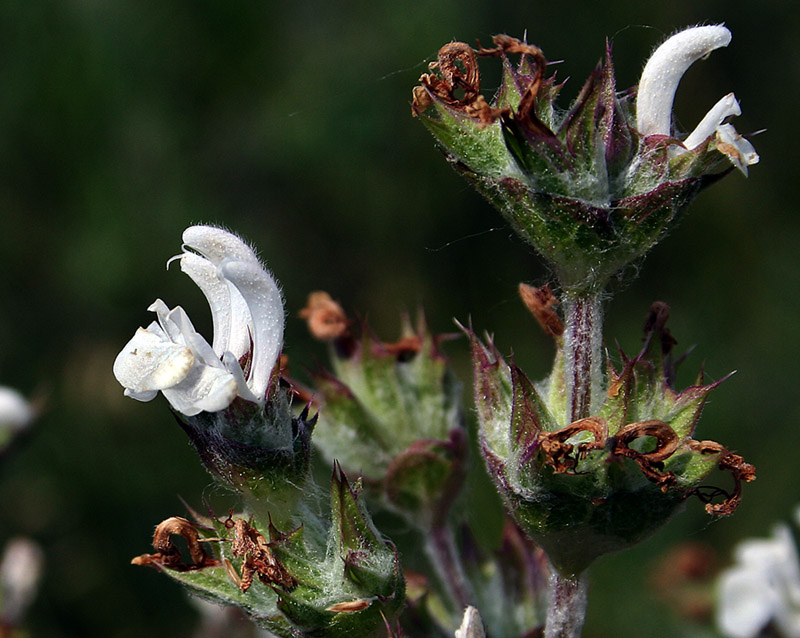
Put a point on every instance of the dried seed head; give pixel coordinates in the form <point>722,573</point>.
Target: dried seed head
<point>326,319</point>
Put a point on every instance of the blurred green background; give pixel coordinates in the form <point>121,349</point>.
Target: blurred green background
<point>122,122</point>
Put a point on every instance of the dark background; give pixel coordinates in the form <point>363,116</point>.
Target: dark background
<point>122,122</point>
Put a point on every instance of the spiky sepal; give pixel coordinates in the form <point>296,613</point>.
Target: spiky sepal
<point>606,482</point>
<point>289,582</point>
<point>391,411</point>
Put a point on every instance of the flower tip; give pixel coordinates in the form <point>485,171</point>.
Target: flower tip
<point>217,244</point>
<point>664,70</point>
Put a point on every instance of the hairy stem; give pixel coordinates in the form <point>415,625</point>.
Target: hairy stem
<point>583,338</point>
<point>442,551</point>
<point>566,609</point>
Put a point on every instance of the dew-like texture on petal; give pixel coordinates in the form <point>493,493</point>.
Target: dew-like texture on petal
<point>205,389</point>
<point>15,411</point>
<point>247,312</point>
<point>217,293</point>
<point>216,245</point>
<point>726,107</point>
<point>229,310</point>
<point>664,70</point>
<point>740,151</point>
<point>149,363</point>
<point>264,301</point>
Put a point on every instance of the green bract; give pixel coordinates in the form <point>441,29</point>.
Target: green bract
<point>294,584</point>
<point>602,483</point>
<point>392,412</point>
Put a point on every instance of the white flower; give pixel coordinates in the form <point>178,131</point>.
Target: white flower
<point>247,312</point>
<point>16,412</point>
<point>471,625</point>
<point>658,84</point>
<point>20,571</point>
<point>762,587</point>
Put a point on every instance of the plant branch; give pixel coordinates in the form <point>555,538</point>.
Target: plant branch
<point>443,553</point>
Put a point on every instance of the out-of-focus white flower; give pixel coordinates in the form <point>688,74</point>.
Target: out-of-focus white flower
<point>471,625</point>
<point>660,80</point>
<point>762,587</point>
<point>247,313</point>
<point>16,412</point>
<point>20,570</point>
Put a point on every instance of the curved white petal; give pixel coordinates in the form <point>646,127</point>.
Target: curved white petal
<point>265,303</point>
<point>726,107</point>
<point>148,363</point>
<point>664,70</point>
<point>217,293</point>
<point>216,245</point>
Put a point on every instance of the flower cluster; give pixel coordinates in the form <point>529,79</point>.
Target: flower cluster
<point>592,188</point>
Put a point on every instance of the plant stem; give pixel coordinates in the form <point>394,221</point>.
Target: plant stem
<point>566,609</point>
<point>583,338</point>
<point>442,551</point>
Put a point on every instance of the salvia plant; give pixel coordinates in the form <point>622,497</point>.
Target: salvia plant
<point>590,460</point>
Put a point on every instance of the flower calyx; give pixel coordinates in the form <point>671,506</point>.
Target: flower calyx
<point>636,457</point>
<point>392,411</point>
